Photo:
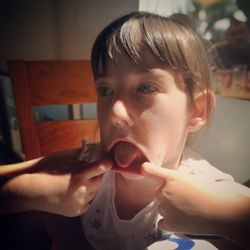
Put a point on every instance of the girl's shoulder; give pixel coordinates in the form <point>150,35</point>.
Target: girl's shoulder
<point>193,163</point>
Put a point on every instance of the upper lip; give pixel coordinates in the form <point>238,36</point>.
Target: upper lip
<point>129,140</point>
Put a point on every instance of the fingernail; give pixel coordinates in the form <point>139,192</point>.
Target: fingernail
<point>146,164</point>
<point>107,163</point>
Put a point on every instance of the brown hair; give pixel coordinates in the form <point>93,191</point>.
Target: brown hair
<point>170,40</point>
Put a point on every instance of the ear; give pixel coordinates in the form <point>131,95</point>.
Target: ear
<point>201,110</point>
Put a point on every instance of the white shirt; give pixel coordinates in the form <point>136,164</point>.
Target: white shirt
<point>106,231</point>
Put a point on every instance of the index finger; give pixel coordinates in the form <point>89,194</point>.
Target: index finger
<point>156,173</point>
<point>97,168</point>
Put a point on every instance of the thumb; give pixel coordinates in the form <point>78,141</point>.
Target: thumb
<point>158,174</point>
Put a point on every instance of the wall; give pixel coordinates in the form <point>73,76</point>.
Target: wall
<point>27,30</point>
<point>54,29</point>
<point>226,141</point>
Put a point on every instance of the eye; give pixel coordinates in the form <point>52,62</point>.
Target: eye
<point>147,88</point>
<point>104,91</point>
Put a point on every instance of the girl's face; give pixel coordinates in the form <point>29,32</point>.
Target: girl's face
<point>148,108</point>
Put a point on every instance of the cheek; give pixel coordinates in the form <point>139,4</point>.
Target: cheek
<point>155,128</point>
<point>153,125</point>
<point>166,129</point>
<point>102,118</point>
<point>168,114</point>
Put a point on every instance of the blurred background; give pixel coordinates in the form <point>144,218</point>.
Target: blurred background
<point>65,29</point>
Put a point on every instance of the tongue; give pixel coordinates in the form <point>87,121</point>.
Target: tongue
<point>125,153</point>
<point>128,157</point>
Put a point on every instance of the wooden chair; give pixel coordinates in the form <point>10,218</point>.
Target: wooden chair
<point>46,83</point>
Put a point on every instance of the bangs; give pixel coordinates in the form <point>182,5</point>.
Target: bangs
<point>171,41</point>
<point>168,40</point>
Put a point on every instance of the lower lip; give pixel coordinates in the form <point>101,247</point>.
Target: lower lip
<point>119,169</point>
<point>128,174</point>
<point>133,168</point>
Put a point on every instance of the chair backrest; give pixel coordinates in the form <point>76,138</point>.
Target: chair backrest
<point>36,83</point>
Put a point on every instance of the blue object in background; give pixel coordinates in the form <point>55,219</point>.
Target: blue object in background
<point>61,112</point>
<point>183,244</point>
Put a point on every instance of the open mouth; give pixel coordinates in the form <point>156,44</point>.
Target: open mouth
<point>127,157</point>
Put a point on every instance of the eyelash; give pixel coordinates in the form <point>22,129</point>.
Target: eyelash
<point>104,91</point>
<point>147,88</point>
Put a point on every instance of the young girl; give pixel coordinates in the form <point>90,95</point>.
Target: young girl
<point>152,81</point>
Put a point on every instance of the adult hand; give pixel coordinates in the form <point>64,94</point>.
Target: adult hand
<point>69,194</point>
<point>58,183</point>
<point>198,206</point>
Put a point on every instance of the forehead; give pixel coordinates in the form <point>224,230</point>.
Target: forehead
<point>126,69</point>
<point>121,61</point>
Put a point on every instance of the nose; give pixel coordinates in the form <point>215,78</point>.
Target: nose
<point>121,115</point>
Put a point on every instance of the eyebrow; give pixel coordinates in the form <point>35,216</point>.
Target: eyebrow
<point>101,77</point>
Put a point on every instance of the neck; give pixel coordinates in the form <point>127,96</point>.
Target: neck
<point>132,196</point>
